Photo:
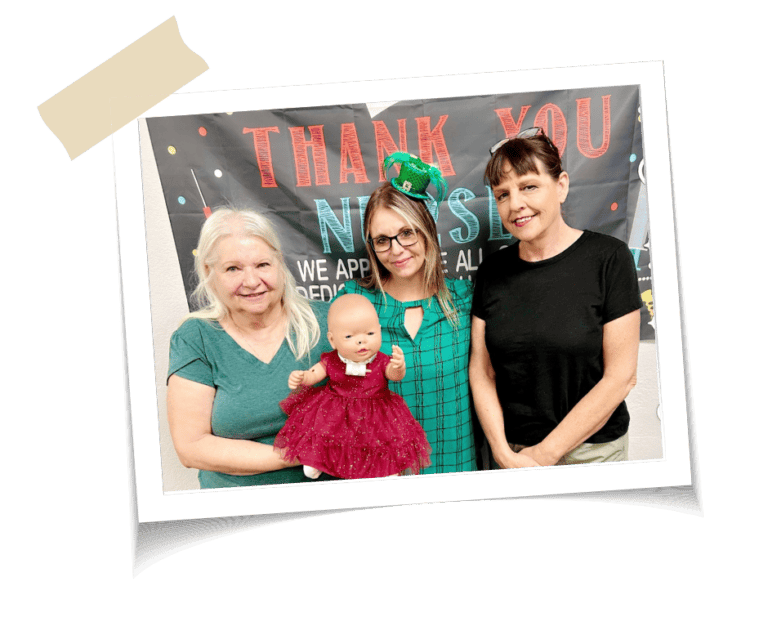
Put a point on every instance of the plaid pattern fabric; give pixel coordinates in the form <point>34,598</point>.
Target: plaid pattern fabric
<point>436,383</point>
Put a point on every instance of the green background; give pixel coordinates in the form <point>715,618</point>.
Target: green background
<point>451,572</point>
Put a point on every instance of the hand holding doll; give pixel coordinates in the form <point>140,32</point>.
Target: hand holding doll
<point>353,426</point>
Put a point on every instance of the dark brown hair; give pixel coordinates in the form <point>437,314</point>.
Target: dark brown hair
<point>521,154</point>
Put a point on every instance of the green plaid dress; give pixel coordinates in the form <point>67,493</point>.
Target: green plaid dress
<point>436,383</point>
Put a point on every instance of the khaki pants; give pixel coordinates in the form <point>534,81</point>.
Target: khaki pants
<point>590,452</point>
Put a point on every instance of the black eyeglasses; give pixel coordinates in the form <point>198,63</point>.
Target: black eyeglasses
<point>529,133</point>
<point>383,243</point>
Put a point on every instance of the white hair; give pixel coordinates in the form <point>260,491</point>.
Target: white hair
<point>303,330</point>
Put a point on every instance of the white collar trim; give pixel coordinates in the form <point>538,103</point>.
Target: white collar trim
<point>355,368</point>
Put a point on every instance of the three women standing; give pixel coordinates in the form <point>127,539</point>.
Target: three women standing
<point>554,330</point>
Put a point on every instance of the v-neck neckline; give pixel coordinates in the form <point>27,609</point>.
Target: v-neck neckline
<point>277,353</point>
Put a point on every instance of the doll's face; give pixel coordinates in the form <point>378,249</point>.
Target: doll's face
<point>354,330</point>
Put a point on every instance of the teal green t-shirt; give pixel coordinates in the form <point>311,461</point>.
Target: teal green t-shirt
<point>248,391</point>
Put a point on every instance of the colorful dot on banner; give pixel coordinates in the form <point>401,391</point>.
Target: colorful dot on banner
<point>633,157</point>
<point>171,150</point>
<point>218,173</point>
<point>194,252</point>
<point>202,131</point>
<point>182,201</point>
<point>614,206</point>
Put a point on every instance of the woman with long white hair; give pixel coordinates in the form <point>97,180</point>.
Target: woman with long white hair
<point>230,359</point>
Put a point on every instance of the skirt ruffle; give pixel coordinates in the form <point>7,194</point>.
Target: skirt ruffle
<point>352,437</point>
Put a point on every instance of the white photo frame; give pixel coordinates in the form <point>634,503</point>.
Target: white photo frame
<point>673,469</point>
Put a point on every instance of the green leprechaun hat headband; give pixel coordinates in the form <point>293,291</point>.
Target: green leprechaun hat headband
<point>415,176</point>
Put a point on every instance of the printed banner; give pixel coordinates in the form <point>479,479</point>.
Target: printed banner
<point>312,170</point>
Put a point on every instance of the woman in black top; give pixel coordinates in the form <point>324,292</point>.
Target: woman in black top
<point>556,322</point>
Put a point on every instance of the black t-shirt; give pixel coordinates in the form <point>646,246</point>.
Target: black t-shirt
<point>544,330</point>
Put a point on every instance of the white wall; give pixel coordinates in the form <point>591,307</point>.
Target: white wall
<point>643,401</point>
<point>169,306</point>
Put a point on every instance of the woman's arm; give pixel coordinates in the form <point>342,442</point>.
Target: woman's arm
<point>482,382</point>
<point>307,378</point>
<point>621,340</point>
<point>189,415</point>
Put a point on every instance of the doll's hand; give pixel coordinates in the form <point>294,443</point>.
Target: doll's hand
<point>398,358</point>
<point>396,367</point>
<point>295,379</point>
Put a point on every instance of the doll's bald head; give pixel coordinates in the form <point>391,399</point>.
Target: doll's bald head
<point>348,306</point>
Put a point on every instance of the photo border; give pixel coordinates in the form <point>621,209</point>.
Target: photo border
<point>671,470</point>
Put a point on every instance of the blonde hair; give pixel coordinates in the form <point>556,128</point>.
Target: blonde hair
<point>418,217</point>
<point>303,331</point>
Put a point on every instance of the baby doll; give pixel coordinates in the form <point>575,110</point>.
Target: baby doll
<point>353,426</point>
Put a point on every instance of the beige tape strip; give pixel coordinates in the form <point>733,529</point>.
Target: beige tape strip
<point>121,89</point>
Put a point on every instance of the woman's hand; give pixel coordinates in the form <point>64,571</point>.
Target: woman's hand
<point>538,455</point>
<point>507,459</point>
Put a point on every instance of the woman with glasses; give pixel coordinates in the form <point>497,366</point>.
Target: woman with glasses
<point>421,311</point>
<point>555,322</point>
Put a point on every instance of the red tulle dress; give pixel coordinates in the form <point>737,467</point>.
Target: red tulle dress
<point>353,426</point>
